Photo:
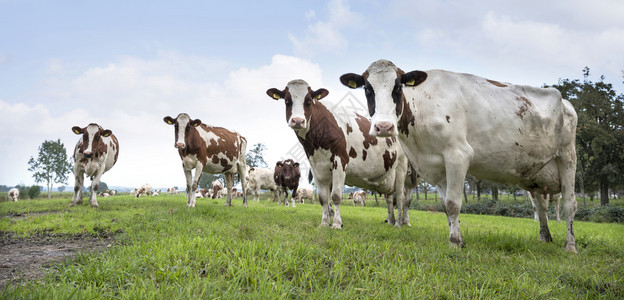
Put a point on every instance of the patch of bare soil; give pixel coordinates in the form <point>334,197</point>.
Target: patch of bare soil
<point>23,259</point>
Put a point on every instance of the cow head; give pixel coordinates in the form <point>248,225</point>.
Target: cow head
<point>383,86</point>
<point>183,126</point>
<point>289,169</point>
<point>92,139</point>
<point>298,97</point>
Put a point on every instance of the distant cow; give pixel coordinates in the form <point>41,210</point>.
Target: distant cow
<point>262,178</point>
<point>341,150</point>
<point>450,124</point>
<point>14,194</point>
<point>216,189</point>
<point>286,175</point>
<point>209,149</point>
<point>359,197</point>
<point>95,153</point>
<point>173,191</point>
<point>144,190</point>
<point>305,193</point>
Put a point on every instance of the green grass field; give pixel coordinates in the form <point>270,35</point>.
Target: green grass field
<point>164,250</point>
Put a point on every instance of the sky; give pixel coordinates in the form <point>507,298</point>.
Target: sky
<point>127,64</point>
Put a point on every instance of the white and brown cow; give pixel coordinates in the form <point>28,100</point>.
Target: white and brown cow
<point>359,197</point>
<point>305,193</point>
<point>209,149</point>
<point>216,189</point>
<point>144,190</point>
<point>451,123</point>
<point>13,194</point>
<point>173,191</point>
<point>261,178</point>
<point>95,153</point>
<point>341,150</point>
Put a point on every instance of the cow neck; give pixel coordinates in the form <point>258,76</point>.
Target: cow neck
<point>194,144</point>
<point>324,132</point>
<point>406,117</point>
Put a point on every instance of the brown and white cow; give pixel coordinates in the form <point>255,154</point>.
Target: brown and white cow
<point>216,189</point>
<point>451,123</point>
<point>359,197</point>
<point>341,150</point>
<point>261,178</point>
<point>286,176</point>
<point>13,194</point>
<point>144,190</point>
<point>305,193</point>
<point>173,191</point>
<point>209,149</point>
<point>96,152</point>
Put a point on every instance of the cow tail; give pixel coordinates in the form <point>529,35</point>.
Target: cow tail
<point>413,174</point>
<point>310,176</point>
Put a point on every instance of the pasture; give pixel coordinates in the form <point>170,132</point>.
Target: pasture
<point>158,248</point>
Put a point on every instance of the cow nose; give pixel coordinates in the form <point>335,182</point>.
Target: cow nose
<point>297,122</point>
<point>384,128</point>
<point>88,153</point>
<point>179,145</point>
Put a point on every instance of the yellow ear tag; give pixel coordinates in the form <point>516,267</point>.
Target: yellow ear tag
<point>352,84</point>
<point>276,96</point>
<point>318,97</point>
<point>411,82</point>
<point>76,131</point>
<point>169,122</point>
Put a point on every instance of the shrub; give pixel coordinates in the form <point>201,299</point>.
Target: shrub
<point>33,192</point>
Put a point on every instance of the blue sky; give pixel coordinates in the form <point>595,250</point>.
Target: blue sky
<point>127,64</point>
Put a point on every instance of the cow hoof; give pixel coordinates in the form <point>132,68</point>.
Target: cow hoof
<point>244,204</point>
<point>94,205</point>
<point>571,248</point>
<point>457,243</point>
<point>335,226</point>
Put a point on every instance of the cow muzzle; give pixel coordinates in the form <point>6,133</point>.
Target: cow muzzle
<point>297,123</point>
<point>88,154</point>
<point>179,145</point>
<point>384,129</point>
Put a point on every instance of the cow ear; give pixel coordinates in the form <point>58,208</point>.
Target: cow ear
<point>279,164</point>
<point>275,93</point>
<point>77,130</point>
<point>106,133</point>
<point>296,165</point>
<point>352,80</point>
<point>320,94</point>
<point>196,122</point>
<point>169,120</point>
<point>251,170</point>
<point>413,78</point>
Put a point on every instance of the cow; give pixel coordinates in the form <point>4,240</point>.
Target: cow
<point>286,176</point>
<point>305,193</point>
<point>95,153</point>
<point>144,190</point>
<point>14,194</point>
<point>359,197</point>
<point>341,150</point>
<point>550,198</point>
<point>216,189</point>
<point>209,149</point>
<point>173,191</point>
<point>198,194</point>
<point>450,124</point>
<point>261,178</point>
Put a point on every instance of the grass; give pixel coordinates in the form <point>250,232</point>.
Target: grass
<point>164,250</point>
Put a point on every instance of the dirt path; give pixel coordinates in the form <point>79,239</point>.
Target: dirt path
<point>24,259</point>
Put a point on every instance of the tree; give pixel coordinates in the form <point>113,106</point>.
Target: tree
<point>599,135</point>
<point>34,191</point>
<point>52,164</point>
<point>61,188</point>
<point>254,157</point>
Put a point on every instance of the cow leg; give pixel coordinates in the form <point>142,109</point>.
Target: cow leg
<point>406,206</point>
<point>533,204</point>
<point>556,206</point>
<point>567,170</point>
<point>190,191</point>
<point>229,183</point>
<point>338,178</point>
<point>323,195</point>
<point>456,169</point>
<point>293,197</point>
<point>399,192</point>
<point>390,205</point>
<point>242,169</point>
<point>78,183</point>
<point>541,204</point>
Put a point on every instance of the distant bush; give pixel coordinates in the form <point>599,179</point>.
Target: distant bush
<point>33,192</point>
<point>605,214</point>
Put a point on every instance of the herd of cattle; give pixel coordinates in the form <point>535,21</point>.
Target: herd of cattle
<point>435,124</point>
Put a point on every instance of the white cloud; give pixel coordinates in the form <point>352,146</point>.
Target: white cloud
<point>326,36</point>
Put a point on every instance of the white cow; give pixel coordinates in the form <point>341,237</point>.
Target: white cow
<point>450,124</point>
<point>95,153</point>
<point>305,193</point>
<point>13,194</point>
<point>359,197</point>
<point>261,178</point>
<point>173,191</point>
<point>145,190</point>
